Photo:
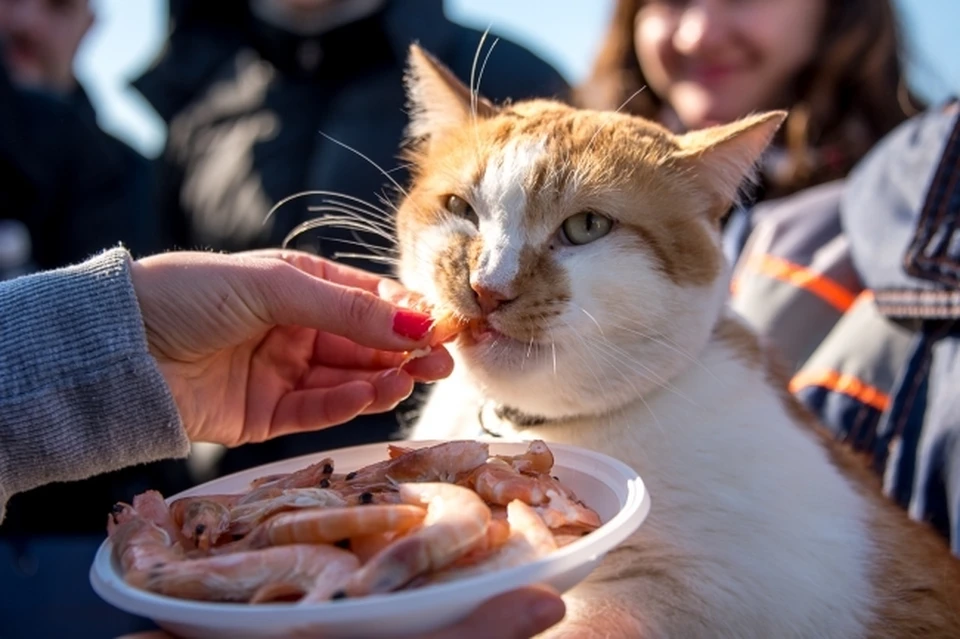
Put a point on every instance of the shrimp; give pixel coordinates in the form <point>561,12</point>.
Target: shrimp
<point>201,520</point>
<point>537,459</point>
<point>457,519</point>
<point>443,462</point>
<point>244,517</point>
<point>242,575</point>
<point>151,505</point>
<point>564,509</point>
<point>530,539</point>
<point>366,546</point>
<point>138,543</point>
<point>330,525</point>
<point>497,483</point>
<point>311,476</point>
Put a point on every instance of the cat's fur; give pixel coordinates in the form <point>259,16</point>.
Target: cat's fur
<point>759,526</point>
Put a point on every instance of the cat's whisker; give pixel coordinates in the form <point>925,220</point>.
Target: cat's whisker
<point>587,351</point>
<point>592,318</point>
<point>483,67</point>
<point>349,220</point>
<point>341,222</point>
<point>659,338</point>
<point>618,366</point>
<point>631,363</point>
<point>553,348</point>
<point>372,163</point>
<point>382,219</point>
<point>301,194</point>
<point>381,259</point>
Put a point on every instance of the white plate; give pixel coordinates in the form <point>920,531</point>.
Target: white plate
<point>605,484</point>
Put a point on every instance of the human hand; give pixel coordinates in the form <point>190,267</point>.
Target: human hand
<point>261,344</point>
<point>518,614</point>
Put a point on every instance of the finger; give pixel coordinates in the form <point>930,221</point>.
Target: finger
<point>436,365</point>
<point>519,614</point>
<point>392,388</point>
<point>286,295</point>
<point>313,409</point>
<point>335,351</point>
<point>324,269</point>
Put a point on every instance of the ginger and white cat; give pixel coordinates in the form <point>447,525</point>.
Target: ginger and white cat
<point>590,243</point>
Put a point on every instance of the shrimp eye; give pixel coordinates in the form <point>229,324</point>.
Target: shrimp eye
<point>461,208</point>
<point>585,227</point>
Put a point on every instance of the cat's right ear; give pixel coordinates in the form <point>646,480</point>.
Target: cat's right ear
<point>438,100</point>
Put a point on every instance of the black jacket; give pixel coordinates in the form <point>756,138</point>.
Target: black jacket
<point>75,188</point>
<point>247,106</point>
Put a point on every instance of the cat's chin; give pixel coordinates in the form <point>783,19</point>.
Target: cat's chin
<point>488,349</point>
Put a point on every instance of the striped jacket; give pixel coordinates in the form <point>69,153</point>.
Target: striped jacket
<point>858,284</point>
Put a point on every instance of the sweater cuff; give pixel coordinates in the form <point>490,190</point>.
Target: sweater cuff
<point>80,393</point>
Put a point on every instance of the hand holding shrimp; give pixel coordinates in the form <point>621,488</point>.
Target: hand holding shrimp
<point>272,342</point>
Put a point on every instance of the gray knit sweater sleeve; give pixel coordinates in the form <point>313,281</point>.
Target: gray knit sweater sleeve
<point>79,392</point>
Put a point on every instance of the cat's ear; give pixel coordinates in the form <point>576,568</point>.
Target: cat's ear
<point>438,100</point>
<point>726,155</point>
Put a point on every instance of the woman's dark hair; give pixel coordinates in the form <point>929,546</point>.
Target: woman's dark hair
<point>849,96</point>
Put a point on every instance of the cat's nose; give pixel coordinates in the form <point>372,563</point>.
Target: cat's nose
<point>488,299</point>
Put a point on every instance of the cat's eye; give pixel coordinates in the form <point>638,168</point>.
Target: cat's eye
<point>585,227</point>
<point>462,209</point>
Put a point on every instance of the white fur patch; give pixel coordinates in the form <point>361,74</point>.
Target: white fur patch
<point>501,206</point>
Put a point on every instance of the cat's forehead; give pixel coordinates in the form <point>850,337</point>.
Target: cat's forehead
<point>551,148</point>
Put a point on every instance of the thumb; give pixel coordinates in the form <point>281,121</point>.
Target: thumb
<point>289,296</point>
<point>518,614</point>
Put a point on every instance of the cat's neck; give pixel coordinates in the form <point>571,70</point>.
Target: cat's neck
<point>732,365</point>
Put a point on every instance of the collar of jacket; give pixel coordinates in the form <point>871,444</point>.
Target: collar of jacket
<point>203,36</point>
<point>901,214</point>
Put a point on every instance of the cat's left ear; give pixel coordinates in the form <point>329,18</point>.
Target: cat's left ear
<point>725,156</point>
<point>439,101</point>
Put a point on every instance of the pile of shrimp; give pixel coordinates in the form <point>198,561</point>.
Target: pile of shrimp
<point>420,517</point>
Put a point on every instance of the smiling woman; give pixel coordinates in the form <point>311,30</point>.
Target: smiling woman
<point>837,67</point>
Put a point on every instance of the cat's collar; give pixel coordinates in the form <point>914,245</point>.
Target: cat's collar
<point>495,419</point>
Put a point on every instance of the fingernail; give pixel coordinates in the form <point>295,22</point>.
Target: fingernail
<point>411,324</point>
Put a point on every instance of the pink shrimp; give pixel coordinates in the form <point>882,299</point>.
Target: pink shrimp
<point>564,510</point>
<point>138,543</point>
<point>244,517</point>
<point>202,520</point>
<point>457,519</point>
<point>314,475</point>
<point>330,525</point>
<point>537,459</point>
<point>498,483</point>
<point>243,575</point>
<point>443,462</point>
<point>530,539</point>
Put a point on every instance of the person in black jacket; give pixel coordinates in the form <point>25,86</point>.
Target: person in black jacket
<point>262,97</point>
<point>105,188</point>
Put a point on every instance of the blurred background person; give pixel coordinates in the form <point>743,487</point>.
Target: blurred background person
<point>837,67</point>
<point>109,196</point>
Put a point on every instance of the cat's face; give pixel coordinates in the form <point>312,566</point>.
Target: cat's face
<point>589,242</point>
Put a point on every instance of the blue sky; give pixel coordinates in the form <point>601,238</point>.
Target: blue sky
<point>129,33</point>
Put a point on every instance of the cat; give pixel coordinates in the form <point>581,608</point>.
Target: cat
<point>590,243</point>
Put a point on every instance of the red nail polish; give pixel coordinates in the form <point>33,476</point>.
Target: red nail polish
<point>411,324</point>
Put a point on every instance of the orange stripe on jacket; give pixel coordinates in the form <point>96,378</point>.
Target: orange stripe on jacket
<point>844,384</point>
<point>801,277</point>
